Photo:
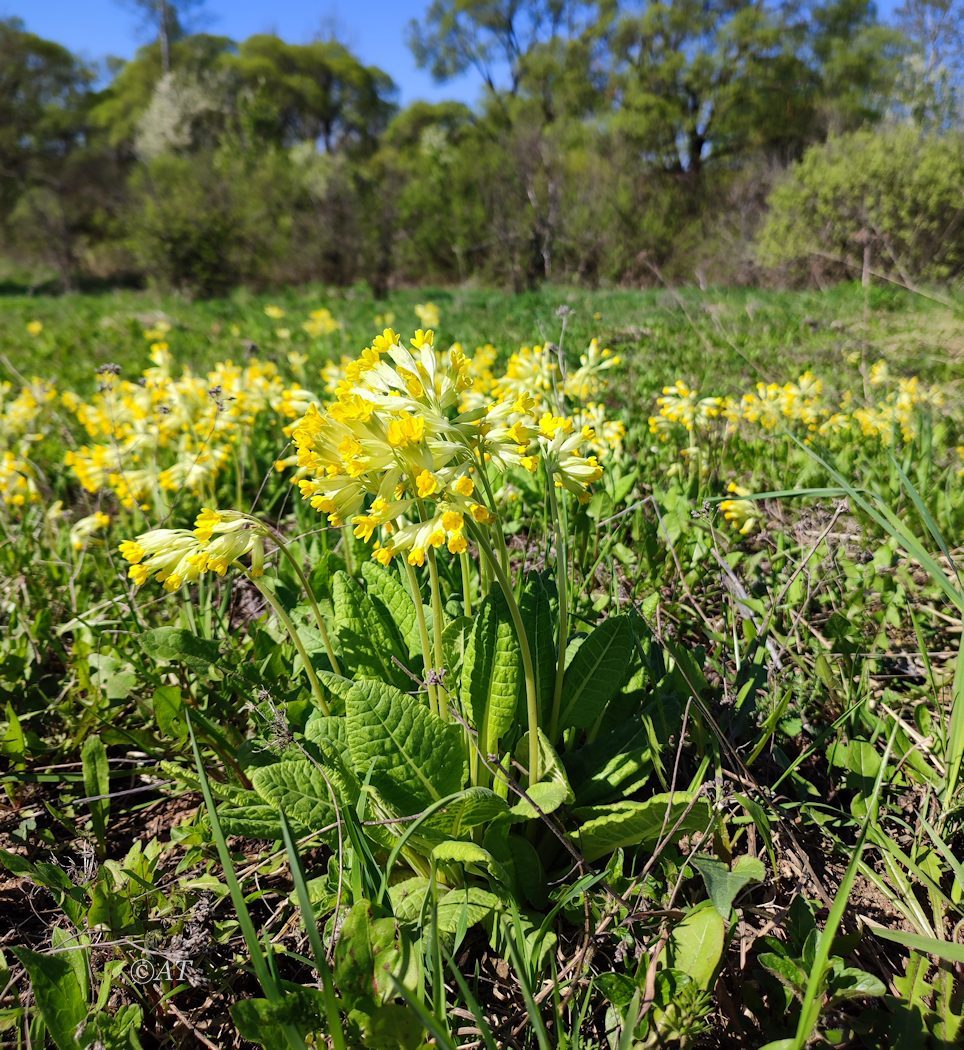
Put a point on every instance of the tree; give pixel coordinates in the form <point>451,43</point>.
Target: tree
<point>166,19</point>
<point>872,200</point>
<point>316,92</point>
<point>496,37</point>
<point>43,101</point>
<point>931,87</point>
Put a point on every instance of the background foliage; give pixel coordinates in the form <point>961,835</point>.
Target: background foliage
<point>615,140</point>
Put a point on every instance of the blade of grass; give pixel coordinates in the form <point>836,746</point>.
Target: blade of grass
<point>947,950</point>
<point>314,937</point>
<point>810,1009</point>
<point>248,932</point>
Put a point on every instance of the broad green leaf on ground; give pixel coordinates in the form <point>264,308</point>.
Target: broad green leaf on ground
<point>696,944</point>
<point>254,819</point>
<point>596,672</point>
<point>411,755</point>
<point>180,646</point>
<point>606,828</point>
<point>367,637</point>
<point>300,790</point>
<point>385,588</point>
<point>724,883</point>
<point>57,993</point>
<point>492,673</point>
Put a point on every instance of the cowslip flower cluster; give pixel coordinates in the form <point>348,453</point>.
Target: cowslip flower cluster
<point>892,411</point>
<point>165,432</point>
<point>743,514</point>
<point>175,557</point>
<point>23,423</point>
<point>84,531</point>
<point>398,455</point>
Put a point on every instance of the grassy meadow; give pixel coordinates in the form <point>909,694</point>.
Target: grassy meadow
<point>595,682</point>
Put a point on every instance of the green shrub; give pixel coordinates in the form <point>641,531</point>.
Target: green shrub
<point>886,201</point>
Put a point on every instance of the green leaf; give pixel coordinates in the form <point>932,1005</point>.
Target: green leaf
<point>641,823</point>
<point>597,672</point>
<point>169,712</point>
<point>336,684</point>
<point>260,1020</point>
<point>387,590</point>
<point>368,638</point>
<point>299,789</point>
<point>696,944</point>
<point>535,605</point>
<point>96,770</point>
<point>492,673</point>
<point>473,807</point>
<point>253,820</point>
<point>412,756</point>
<point>110,907</point>
<point>723,883</point>
<point>541,799</point>
<point>950,951</point>
<point>468,904</point>
<point>58,995</point>
<point>180,646</point>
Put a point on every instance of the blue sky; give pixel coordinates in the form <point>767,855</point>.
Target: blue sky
<point>374,29</point>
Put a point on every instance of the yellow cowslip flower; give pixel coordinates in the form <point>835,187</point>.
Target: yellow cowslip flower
<point>427,314</point>
<point>34,328</point>
<point>17,485</point>
<point>274,312</point>
<point>175,557</point>
<point>84,529</point>
<point>320,323</point>
<point>395,452</point>
<point>743,514</point>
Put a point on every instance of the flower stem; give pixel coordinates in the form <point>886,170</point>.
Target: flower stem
<point>532,696</point>
<point>562,584</point>
<point>437,625</point>
<point>422,634</point>
<point>296,639</point>
<point>315,608</point>
<point>466,567</point>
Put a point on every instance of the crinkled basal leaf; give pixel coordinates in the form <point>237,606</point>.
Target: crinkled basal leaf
<point>299,789</point>
<point>180,646</point>
<point>465,906</point>
<point>413,757</point>
<point>57,993</point>
<point>491,673</point>
<point>385,588</point>
<point>473,807</point>
<point>452,852</point>
<point>253,820</point>
<point>536,608</point>
<point>619,760</point>
<point>640,823</point>
<point>323,728</point>
<point>366,635</point>
<point>596,673</point>
<point>540,799</point>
